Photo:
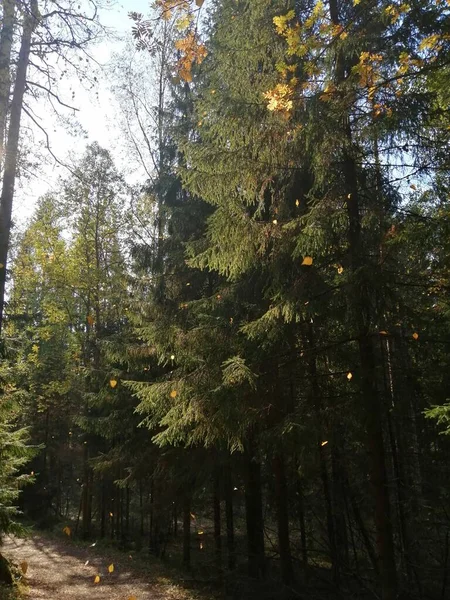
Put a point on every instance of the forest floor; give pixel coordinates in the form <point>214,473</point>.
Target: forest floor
<point>60,568</point>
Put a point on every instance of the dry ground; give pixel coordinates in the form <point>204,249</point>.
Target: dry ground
<point>60,569</point>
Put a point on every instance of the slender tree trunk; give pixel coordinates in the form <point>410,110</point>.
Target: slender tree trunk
<point>254,514</point>
<point>10,161</point>
<point>86,496</point>
<point>228,490</point>
<point>187,532</point>
<point>141,509</point>
<point>281,494</point>
<point>302,520</point>
<point>103,511</point>
<point>217,520</point>
<point>6,39</point>
<point>360,301</point>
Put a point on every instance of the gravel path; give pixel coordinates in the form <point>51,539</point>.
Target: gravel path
<point>58,569</point>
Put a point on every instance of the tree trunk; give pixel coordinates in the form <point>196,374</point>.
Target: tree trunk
<point>10,163</point>
<point>302,520</point>
<point>6,39</point>
<point>187,532</point>
<point>254,514</point>
<point>217,520</point>
<point>228,490</point>
<point>287,572</point>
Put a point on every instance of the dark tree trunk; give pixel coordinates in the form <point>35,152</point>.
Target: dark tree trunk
<point>86,495</point>
<point>228,490</point>
<point>281,494</point>
<point>302,520</point>
<point>254,514</point>
<point>103,511</point>
<point>187,532</point>
<point>217,520</point>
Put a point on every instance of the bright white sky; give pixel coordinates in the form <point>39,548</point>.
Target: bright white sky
<point>97,116</point>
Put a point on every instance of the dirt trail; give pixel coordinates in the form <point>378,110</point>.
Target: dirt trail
<point>57,569</point>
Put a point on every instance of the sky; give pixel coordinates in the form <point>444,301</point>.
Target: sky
<point>97,115</point>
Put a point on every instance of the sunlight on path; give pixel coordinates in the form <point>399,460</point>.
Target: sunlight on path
<point>58,570</point>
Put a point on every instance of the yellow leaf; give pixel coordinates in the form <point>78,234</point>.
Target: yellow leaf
<point>297,203</point>
<point>307,261</point>
<point>349,376</point>
<point>340,269</point>
<point>324,443</point>
<point>97,579</point>
<point>67,530</point>
<point>200,532</point>
<point>113,383</point>
<point>415,335</point>
<point>199,3</point>
<point>1,265</point>
<point>384,333</point>
<point>111,568</point>
<point>24,567</point>
<point>173,394</point>
<point>90,320</point>
<point>275,222</point>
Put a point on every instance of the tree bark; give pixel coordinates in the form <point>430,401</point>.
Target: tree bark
<point>12,146</point>
<point>6,39</point>
<point>278,466</point>
<point>362,317</point>
<point>217,520</point>
<point>187,532</point>
<point>254,514</point>
<point>228,490</point>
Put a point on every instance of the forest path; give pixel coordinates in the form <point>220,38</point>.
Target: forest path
<point>59,569</point>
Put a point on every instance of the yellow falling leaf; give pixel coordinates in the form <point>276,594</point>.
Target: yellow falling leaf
<point>172,357</point>
<point>201,545</point>
<point>1,265</point>
<point>384,333</point>
<point>340,269</point>
<point>111,568</point>
<point>307,261</point>
<point>275,222</point>
<point>97,579</point>
<point>24,567</point>
<point>200,532</point>
<point>349,376</point>
<point>113,383</point>
<point>67,531</point>
<point>173,394</point>
<point>324,443</point>
<point>415,335</point>
<point>192,516</point>
<point>111,514</point>
<point>90,320</point>
<point>297,203</point>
